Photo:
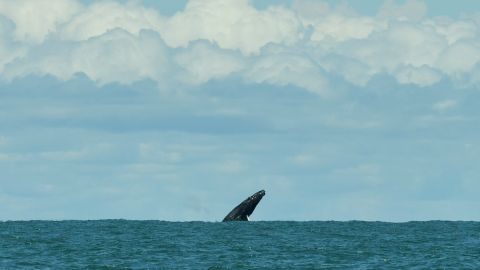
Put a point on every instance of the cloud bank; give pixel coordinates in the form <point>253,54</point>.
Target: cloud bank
<point>303,45</point>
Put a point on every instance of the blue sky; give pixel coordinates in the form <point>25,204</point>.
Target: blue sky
<point>178,110</point>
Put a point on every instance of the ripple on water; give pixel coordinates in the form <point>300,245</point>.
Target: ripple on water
<point>121,244</point>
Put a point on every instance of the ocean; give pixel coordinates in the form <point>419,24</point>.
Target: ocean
<point>125,244</point>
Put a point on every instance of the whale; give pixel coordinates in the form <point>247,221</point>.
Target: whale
<point>244,210</point>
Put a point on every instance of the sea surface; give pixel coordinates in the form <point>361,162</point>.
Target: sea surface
<point>122,244</point>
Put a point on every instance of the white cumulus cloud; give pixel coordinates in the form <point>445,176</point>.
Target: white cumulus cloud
<point>103,16</point>
<point>35,20</point>
<point>116,56</point>
<point>286,68</point>
<point>422,76</point>
<point>202,62</point>
<point>304,44</point>
<point>231,24</point>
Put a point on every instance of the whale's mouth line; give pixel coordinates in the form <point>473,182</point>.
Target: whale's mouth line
<point>244,210</point>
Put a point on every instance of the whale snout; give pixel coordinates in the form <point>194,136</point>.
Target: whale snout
<point>259,195</point>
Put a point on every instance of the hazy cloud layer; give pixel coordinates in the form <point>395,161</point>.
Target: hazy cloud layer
<point>337,115</point>
<point>73,149</point>
<point>304,45</point>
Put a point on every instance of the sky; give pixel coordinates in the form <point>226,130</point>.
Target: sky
<point>179,110</point>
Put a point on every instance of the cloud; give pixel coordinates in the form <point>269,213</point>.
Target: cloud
<point>421,76</point>
<point>35,20</point>
<point>9,48</point>
<point>104,16</point>
<point>73,146</point>
<point>454,31</point>
<point>231,166</point>
<point>346,28</point>
<point>116,56</point>
<point>410,10</point>
<point>201,62</point>
<point>445,105</point>
<point>308,45</point>
<point>396,48</point>
<point>287,68</point>
<point>231,24</point>
<point>460,58</point>
<point>87,134</point>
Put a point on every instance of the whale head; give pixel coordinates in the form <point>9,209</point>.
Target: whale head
<point>257,196</point>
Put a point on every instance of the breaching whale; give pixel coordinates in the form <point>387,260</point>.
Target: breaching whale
<point>245,209</point>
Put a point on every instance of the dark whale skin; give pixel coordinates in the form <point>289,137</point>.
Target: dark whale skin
<point>245,209</point>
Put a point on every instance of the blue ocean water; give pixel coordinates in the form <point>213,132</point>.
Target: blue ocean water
<point>122,244</point>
